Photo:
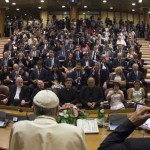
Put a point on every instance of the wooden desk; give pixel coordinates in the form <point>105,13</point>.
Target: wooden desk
<point>93,139</point>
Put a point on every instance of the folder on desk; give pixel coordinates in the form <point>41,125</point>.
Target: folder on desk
<point>3,120</point>
<point>115,120</point>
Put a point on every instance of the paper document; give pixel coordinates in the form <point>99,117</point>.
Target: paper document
<point>88,125</point>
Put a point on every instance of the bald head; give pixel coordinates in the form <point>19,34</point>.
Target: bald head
<point>91,82</point>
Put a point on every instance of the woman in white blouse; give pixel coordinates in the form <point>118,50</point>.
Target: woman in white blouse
<point>116,97</point>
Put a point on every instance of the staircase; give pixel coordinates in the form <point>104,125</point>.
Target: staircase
<point>3,41</point>
<point>145,49</point>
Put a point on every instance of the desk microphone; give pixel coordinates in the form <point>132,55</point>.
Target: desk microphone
<point>21,110</point>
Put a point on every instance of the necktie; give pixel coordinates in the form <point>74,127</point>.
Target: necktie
<point>93,56</point>
<point>39,71</point>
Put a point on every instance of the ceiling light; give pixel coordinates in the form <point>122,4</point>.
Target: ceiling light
<point>7,1</point>
<point>133,4</point>
<point>149,12</point>
<point>63,6</point>
<point>17,9</point>
<point>65,13</point>
<point>83,13</point>
<point>14,4</point>
<point>39,7</point>
<point>111,8</point>
<point>25,14</point>
<point>133,9</point>
<point>140,1</point>
<point>85,6</point>
<point>104,1</point>
<point>42,1</point>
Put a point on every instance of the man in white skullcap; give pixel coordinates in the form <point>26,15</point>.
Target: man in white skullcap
<point>44,133</point>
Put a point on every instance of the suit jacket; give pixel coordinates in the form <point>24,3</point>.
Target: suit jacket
<point>67,96</point>
<point>132,61</point>
<point>45,129</point>
<point>91,95</point>
<point>44,75</point>
<point>22,73</point>
<point>69,64</point>
<point>117,139</point>
<point>24,94</point>
<point>132,77</point>
<point>83,63</point>
<point>74,76</point>
<point>9,62</point>
<point>110,53</point>
<point>48,62</point>
<point>6,47</point>
<point>100,77</point>
<point>37,53</point>
<point>124,53</point>
<point>121,63</point>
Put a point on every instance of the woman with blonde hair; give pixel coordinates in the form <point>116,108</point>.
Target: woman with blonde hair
<point>118,76</point>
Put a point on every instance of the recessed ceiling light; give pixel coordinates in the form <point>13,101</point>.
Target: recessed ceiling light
<point>65,13</point>
<point>39,7</point>
<point>104,1</point>
<point>140,1</point>
<point>85,6</point>
<point>14,4</point>
<point>83,13</point>
<point>149,12</point>
<point>63,6</point>
<point>111,7</point>
<point>42,1</point>
<point>7,1</point>
<point>17,9</point>
<point>7,16</point>
<point>133,4</point>
<point>133,9</point>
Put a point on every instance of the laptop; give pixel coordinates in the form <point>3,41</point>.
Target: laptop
<point>3,120</point>
<point>115,120</point>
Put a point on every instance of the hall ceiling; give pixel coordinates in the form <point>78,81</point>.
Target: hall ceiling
<point>92,5</point>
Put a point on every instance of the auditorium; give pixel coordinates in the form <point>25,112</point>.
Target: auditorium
<point>74,74</point>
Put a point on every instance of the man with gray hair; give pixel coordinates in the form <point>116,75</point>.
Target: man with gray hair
<point>44,133</point>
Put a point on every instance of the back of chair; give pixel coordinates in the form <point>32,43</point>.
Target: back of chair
<point>4,90</point>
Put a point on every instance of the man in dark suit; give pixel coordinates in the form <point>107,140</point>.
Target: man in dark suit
<point>6,61</point>
<point>87,63</point>
<point>135,74</point>
<point>100,75</point>
<point>121,50</point>
<point>91,96</point>
<point>135,60</point>
<point>78,76</point>
<point>6,46</point>
<point>119,61</point>
<point>17,72</point>
<point>50,61</point>
<point>40,86</point>
<point>117,139</point>
<point>68,94</point>
<point>39,73</point>
<point>19,94</point>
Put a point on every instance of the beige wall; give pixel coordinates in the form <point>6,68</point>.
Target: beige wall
<point>2,20</point>
<point>44,17</point>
